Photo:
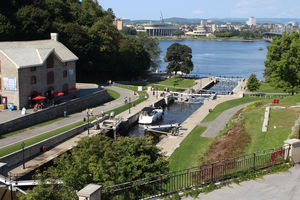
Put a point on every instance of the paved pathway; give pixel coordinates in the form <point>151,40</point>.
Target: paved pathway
<point>70,119</point>
<point>272,187</point>
<point>214,127</point>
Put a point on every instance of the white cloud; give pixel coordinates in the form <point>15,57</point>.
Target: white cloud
<point>198,12</point>
<point>258,8</point>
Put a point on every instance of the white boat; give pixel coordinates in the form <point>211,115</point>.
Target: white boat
<point>149,115</point>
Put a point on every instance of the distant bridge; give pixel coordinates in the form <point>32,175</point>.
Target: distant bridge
<point>269,36</point>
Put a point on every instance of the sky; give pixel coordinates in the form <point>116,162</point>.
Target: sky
<point>151,9</point>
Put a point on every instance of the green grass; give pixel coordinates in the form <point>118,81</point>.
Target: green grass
<point>30,128</point>
<point>227,105</point>
<point>15,147</point>
<point>266,88</point>
<point>184,83</point>
<point>113,94</point>
<point>191,149</point>
<point>126,106</point>
<point>282,119</point>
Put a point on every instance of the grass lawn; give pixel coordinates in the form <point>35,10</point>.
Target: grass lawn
<point>15,147</point>
<point>266,88</point>
<point>226,105</point>
<point>184,83</point>
<point>113,94</point>
<point>279,127</point>
<point>191,149</point>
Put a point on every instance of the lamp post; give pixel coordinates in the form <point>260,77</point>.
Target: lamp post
<point>23,145</point>
<point>129,104</point>
<point>88,120</point>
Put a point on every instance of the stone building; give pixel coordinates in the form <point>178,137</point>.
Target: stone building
<point>31,68</point>
<point>161,29</point>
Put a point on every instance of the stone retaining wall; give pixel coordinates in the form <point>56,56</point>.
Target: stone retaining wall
<point>74,105</point>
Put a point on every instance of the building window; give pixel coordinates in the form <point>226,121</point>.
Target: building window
<point>50,77</point>
<point>0,68</point>
<point>65,73</point>
<point>32,69</point>
<point>50,61</point>
<point>33,80</point>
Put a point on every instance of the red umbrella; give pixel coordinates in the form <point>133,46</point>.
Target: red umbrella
<point>39,98</point>
<point>74,89</point>
<point>58,93</point>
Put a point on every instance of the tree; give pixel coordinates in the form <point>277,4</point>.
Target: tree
<point>101,160</point>
<point>179,58</point>
<point>104,161</point>
<point>283,62</point>
<point>129,31</point>
<point>253,83</point>
<point>135,60</point>
<point>151,46</point>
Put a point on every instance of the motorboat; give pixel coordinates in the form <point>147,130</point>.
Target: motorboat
<point>149,115</point>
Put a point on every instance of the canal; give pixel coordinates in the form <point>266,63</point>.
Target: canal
<point>174,113</point>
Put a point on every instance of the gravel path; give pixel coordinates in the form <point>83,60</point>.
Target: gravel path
<point>217,125</point>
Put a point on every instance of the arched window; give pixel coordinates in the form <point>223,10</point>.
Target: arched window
<point>33,79</point>
<point>65,88</point>
<point>50,77</point>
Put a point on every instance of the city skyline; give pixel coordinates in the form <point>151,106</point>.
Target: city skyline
<point>151,10</point>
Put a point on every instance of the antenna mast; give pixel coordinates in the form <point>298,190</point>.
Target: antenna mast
<point>161,17</point>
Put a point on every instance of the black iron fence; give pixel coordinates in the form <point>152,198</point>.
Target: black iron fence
<point>165,184</point>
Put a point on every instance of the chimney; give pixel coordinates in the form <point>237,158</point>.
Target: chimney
<point>54,36</point>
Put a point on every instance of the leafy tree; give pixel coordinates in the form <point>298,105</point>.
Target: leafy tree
<point>129,31</point>
<point>283,63</point>
<point>49,191</point>
<point>179,58</point>
<point>178,33</point>
<point>151,46</point>
<point>34,21</point>
<point>135,59</point>
<point>253,83</point>
<point>101,160</point>
<point>6,28</point>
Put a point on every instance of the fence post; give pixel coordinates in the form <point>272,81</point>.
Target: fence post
<point>288,154</point>
<point>212,172</point>
<point>254,161</point>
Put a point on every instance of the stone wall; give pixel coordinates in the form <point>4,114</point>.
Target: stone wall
<point>15,159</point>
<point>56,111</point>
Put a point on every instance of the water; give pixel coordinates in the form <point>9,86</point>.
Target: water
<point>223,58</point>
<point>174,113</point>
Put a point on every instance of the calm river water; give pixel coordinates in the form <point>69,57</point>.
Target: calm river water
<point>223,58</point>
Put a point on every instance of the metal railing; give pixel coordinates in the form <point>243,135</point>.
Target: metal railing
<point>168,183</point>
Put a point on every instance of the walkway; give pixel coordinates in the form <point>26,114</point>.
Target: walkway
<point>214,127</point>
<point>275,186</point>
<point>70,119</point>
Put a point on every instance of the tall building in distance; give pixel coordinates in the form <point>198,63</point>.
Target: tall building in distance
<point>251,21</point>
<point>118,23</point>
